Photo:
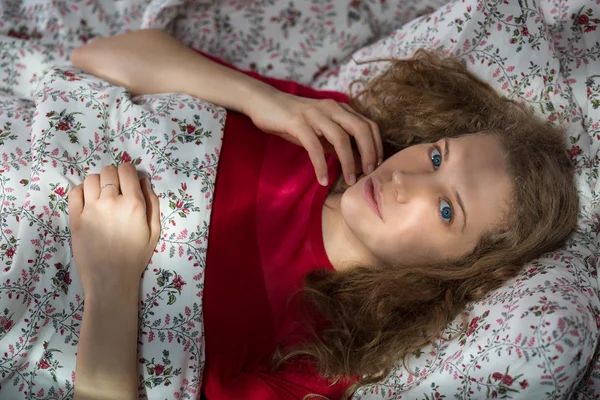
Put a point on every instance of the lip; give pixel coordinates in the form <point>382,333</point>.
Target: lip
<point>373,195</point>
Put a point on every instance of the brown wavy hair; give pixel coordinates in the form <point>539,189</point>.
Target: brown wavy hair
<point>378,315</point>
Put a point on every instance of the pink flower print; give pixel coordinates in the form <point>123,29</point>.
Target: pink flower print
<point>497,376</point>
<point>10,253</point>
<point>179,204</point>
<point>44,364</point>
<point>178,283</point>
<point>184,186</point>
<point>524,384</point>
<point>524,31</point>
<point>583,19</point>
<point>64,126</point>
<point>507,380</point>
<point>158,369</point>
<point>190,128</point>
<point>125,157</point>
<point>60,191</point>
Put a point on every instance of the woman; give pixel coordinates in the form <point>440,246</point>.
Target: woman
<point>461,189</point>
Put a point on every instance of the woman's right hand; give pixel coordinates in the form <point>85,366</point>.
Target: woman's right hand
<point>114,232</point>
<point>320,126</point>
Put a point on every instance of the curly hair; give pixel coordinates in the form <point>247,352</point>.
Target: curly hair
<point>377,315</point>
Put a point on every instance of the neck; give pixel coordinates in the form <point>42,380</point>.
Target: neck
<point>343,249</point>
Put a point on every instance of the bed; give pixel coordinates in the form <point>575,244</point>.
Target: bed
<point>534,338</point>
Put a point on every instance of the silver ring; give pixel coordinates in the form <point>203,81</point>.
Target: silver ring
<point>111,184</point>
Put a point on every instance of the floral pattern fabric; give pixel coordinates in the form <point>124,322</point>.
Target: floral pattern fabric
<point>536,337</point>
<point>79,125</point>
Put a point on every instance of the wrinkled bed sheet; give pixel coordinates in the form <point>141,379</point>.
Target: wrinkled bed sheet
<point>534,338</point>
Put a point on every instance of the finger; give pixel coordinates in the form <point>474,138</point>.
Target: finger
<point>75,202</point>
<point>309,141</point>
<point>340,141</point>
<point>109,176</point>
<point>361,131</point>
<point>152,211</point>
<point>91,187</point>
<point>378,141</point>
<point>374,130</point>
<point>130,181</point>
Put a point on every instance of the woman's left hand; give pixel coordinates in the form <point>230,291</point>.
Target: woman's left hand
<point>113,234</point>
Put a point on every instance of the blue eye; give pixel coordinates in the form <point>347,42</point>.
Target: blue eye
<point>446,211</point>
<point>436,158</point>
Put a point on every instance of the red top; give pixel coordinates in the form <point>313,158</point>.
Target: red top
<point>265,235</point>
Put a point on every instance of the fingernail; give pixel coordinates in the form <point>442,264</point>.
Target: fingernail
<point>324,181</point>
<point>352,179</point>
<point>370,169</point>
<point>380,162</point>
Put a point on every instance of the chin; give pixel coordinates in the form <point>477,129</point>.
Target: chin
<point>353,209</point>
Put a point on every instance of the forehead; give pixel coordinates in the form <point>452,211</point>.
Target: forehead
<point>477,169</point>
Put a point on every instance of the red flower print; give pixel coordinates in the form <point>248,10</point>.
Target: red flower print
<point>178,283</point>
<point>355,3</point>
<point>67,278</point>
<point>574,151</point>
<point>497,376</point>
<point>473,325</point>
<point>179,204</point>
<point>507,380</point>
<point>524,31</point>
<point>44,364</point>
<point>18,35</point>
<point>184,186</point>
<point>583,19</point>
<point>158,369</point>
<point>7,325</point>
<point>125,157</point>
<point>524,384</point>
<point>64,126</point>
<point>60,191</point>
<point>10,252</point>
<point>190,128</point>
<point>590,28</point>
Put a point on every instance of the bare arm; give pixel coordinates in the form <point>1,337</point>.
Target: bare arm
<point>106,354</point>
<point>113,238</point>
<point>151,61</point>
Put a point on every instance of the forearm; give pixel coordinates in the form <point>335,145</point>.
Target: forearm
<point>106,354</point>
<point>151,61</point>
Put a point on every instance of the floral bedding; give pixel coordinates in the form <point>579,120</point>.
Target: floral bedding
<point>534,338</point>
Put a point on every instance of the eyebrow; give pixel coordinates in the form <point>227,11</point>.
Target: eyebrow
<point>454,190</point>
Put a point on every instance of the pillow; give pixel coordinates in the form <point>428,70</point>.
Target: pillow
<point>536,336</point>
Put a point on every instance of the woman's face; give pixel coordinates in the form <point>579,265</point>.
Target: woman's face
<point>430,202</point>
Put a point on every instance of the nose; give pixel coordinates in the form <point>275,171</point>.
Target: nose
<point>406,184</point>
